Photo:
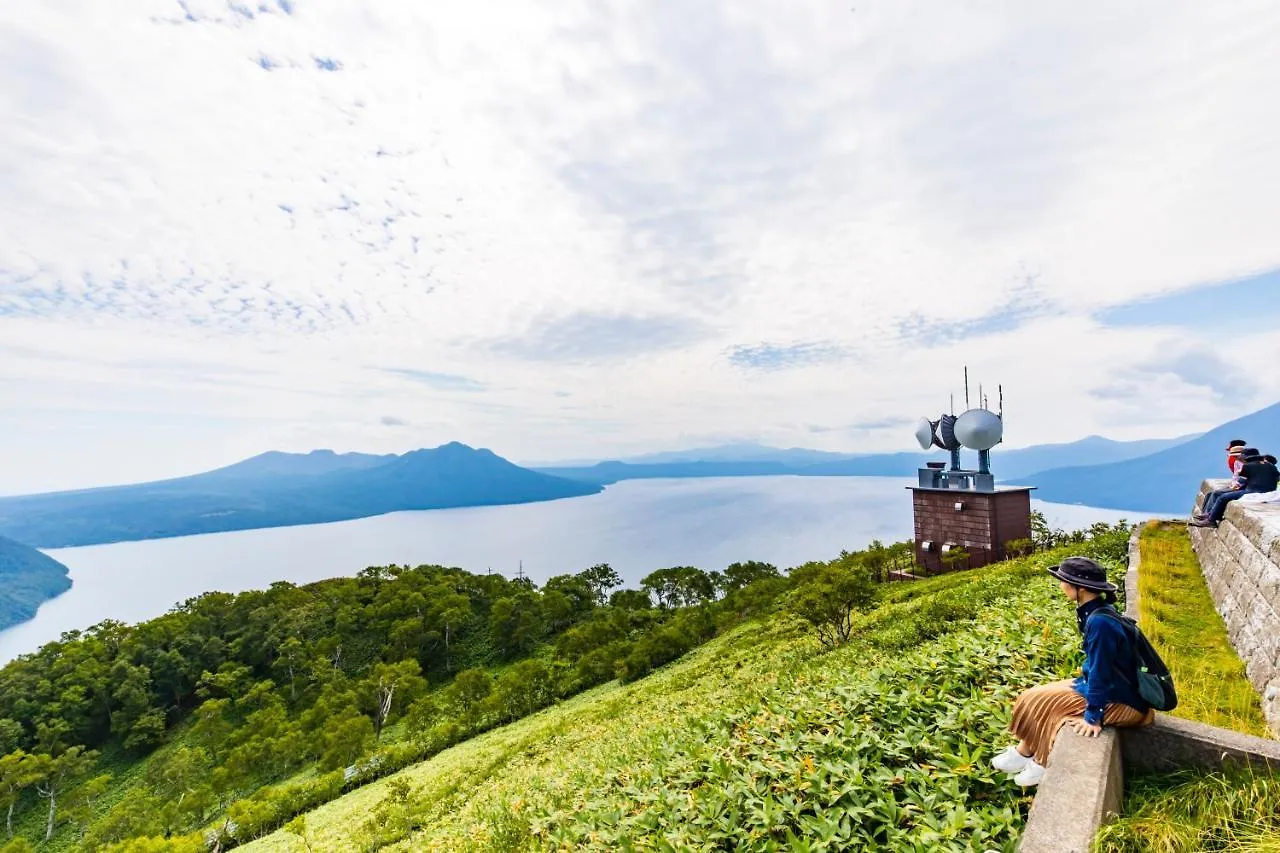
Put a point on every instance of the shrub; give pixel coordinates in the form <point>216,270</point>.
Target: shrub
<point>828,596</point>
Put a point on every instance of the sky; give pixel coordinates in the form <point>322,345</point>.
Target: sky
<point>572,229</point>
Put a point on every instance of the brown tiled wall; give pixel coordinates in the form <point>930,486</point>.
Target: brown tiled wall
<point>987,521</point>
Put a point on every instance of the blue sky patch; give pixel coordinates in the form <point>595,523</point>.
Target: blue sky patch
<point>1243,304</point>
<point>441,381</point>
<point>775,357</point>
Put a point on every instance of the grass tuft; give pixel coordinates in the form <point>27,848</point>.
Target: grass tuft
<point>1177,614</point>
<point>1236,812</point>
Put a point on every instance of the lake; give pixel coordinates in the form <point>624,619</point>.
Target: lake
<point>636,526</point>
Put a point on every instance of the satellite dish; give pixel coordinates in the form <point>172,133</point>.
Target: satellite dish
<point>947,433</point>
<point>979,429</point>
<point>924,433</point>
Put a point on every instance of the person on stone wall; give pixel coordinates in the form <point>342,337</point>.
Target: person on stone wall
<point>1236,449</point>
<point>1106,692</point>
<point>1259,476</point>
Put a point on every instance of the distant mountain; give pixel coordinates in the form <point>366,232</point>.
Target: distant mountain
<point>1160,482</point>
<point>1007,464</point>
<point>1092,450</point>
<point>274,463</point>
<point>746,452</point>
<point>27,579</point>
<point>606,473</point>
<point>280,489</point>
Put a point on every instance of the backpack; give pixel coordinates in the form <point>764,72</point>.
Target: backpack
<point>1154,683</point>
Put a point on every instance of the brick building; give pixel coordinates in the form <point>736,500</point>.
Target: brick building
<point>981,522</point>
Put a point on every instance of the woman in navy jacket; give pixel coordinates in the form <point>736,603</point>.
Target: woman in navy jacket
<point>1104,694</point>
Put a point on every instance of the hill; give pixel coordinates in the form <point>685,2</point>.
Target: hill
<point>762,461</point>
<point>276,490</point>
<point>229,716</point>
<point>1166,481</point>
<point>27,579</point>
<point>759,740</point>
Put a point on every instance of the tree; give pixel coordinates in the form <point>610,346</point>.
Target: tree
<point>82,800</point>
<point>600,578</point>
<point>389,681</point>
<point>11,735</point>
<point>450,611</point>
<point>345,738</point>
<point>179,781</point>
<point>516,624</point>
<point>58,774</point>
<point>18,772</point>
<point>631,599</point>
<point>738,575</point>
<point>827,596</point>
<point>679,586</point>
<point>298,827</point>
<point>956,559</point>
<point>469,689</point>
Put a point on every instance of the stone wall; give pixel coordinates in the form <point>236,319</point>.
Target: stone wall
<point>1241,564</point>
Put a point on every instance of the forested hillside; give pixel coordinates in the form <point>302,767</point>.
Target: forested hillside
<point>763,739</point>
<point>27,579</point>
<point>231,713</point>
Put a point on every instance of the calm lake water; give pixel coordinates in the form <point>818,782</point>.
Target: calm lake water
<point>635,526</point>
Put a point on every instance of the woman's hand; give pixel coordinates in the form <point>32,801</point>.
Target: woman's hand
<point>1082,728</point>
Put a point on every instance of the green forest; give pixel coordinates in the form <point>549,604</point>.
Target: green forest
<point>229,716</point>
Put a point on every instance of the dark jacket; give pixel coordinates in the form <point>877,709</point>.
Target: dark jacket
<point>1259,476</point>
<point>1110,663</point>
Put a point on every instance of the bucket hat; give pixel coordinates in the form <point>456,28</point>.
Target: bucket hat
<point>1084,573</point>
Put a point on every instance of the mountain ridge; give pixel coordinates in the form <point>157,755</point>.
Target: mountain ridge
<point>278,490</point>
<point>1016,463</point>
<point>1165,481</point>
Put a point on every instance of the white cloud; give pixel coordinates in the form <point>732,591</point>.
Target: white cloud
<point>224,222</point>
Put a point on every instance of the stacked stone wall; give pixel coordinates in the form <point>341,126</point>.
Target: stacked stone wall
<point>1241,564</point>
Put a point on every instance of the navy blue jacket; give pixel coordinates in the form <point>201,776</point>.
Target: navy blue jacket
<point>1110,663</point>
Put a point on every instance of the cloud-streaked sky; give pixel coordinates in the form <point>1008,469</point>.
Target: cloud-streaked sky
<point>571,229</point>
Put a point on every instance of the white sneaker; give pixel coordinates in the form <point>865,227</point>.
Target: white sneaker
<point>1010,761</point>
<point>1030,775</point>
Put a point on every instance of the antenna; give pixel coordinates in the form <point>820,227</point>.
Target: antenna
<point>982,400</point>
<point>966,386</point>
<point>1000,389</point>
<point>953,404</point>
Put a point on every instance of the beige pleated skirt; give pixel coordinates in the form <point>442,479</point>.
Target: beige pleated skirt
<point>1039,712</point>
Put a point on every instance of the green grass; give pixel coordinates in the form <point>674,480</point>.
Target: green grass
<point>1237,812</point>
<point>756,741</point>
<point>1178,616</point>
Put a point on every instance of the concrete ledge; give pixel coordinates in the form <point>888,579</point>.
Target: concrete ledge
<point>1082,788</point>
<point>1172,743</point>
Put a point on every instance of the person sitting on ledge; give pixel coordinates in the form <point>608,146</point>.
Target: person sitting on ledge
<point>1235,461</point>
<point>1102,696</point>
<point>1235,447</point>
<point>1258,474</point>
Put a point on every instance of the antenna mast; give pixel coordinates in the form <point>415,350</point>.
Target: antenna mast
<point>966,386</point>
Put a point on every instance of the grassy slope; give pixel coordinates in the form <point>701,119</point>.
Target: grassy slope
<point>1188,812</point>
<point>1239,812</point>
<point>758,737</point>
<point>1178,616</point>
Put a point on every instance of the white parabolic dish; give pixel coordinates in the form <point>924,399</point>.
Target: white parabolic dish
<point>979,429</point>
<point>924,433</point>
